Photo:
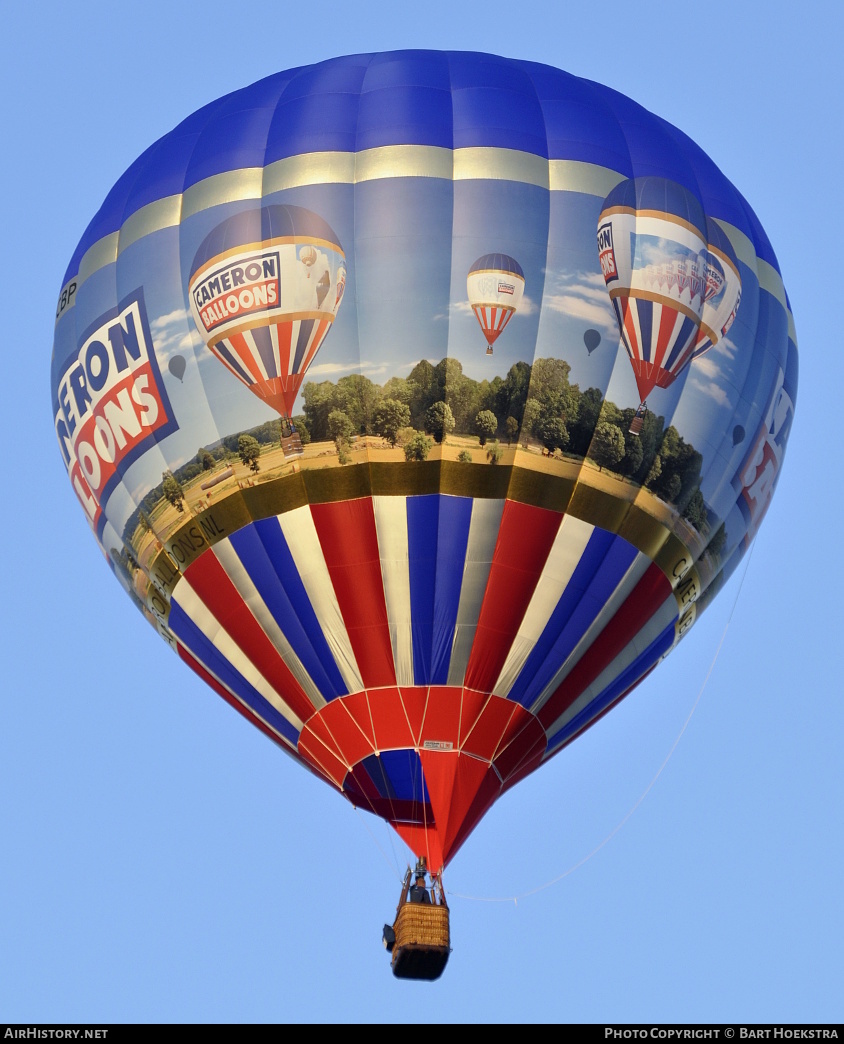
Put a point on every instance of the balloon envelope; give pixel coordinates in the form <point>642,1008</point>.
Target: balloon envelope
<point>177,366</point>
<point>419,623</point>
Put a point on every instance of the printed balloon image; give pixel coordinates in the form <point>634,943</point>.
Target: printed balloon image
<point>672,276</point>
<point>495,285</point>
<point>177,366</point>
<point>419,568</point>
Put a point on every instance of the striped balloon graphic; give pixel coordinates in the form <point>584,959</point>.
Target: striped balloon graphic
<point>255,304</point>
<point>672,277</point>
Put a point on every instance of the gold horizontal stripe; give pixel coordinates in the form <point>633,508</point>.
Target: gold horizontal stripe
<point>580,499</point>
<point>501,165</point>
<point>588,178</point>
<point>348,168</point>
<point>230,187</point>
<point>313,168</point>
<point>404,161</point>
<point>769,278</point>
<point>97,256</point>
<point>163,213</point>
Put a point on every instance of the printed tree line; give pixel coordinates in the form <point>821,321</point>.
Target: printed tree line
<point>535,404</point>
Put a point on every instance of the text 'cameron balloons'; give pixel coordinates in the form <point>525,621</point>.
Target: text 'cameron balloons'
<point>421,569</point>
<point>254,303</point>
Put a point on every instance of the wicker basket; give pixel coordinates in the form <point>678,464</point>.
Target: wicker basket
<point>422,924</point>
<point>422,941</point>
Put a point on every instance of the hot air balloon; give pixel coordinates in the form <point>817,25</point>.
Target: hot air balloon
<point>672,276</point>
<point>177,366</point>
<point>592,338</point>
<point>495,285</point>
<point>254,307</point>
<point>419,630</point>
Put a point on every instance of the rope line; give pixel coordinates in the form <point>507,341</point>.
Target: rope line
<point>576,866</point>
<point>524,895</point>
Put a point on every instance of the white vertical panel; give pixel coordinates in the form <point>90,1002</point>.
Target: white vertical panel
<point>483,536</point>
<point>302,540</point>
<point>236,572</point>
<point>391,526</point>
<point>205,621</point>
<point>634,574</point>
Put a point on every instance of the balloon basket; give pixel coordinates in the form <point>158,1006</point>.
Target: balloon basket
<point>638,420</point>
<point>422,946</point>
<point>291,446</point>
<point>419,939</point>
<point>489,351</point>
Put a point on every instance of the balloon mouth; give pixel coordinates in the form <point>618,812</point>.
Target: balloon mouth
<point>404,755</point>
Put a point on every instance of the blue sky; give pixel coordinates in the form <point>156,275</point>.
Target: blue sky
<point>165,863</point>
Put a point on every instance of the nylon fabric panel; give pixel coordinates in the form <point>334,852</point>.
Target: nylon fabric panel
<point>219,664</point>
<point>650,591</point>
<point>525,538</point>
<point>602,567</point>
<point>438,532</point>
<point>652,630</point>
<point>630,677</point>
<point>569,545</point>
<point>349,543</point>
<point>248,591</point>
<point>391,525</point>
<point>211,585</point>
<point>455,520</point>
<point>483,534</point>
<point>260,336</point>
<point>301,537</point>
<point>602,614</point>
<point>265,555</point>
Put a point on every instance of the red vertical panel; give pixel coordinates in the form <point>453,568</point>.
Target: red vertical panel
<point>525,537</point>
<point>211,583</point>
<point>347,534</point>
<point>646,597</point>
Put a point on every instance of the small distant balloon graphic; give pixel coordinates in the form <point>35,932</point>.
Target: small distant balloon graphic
<point>177,366</point>
<point>495,285</point>
<point>591,339</point>
<point>738,435</point>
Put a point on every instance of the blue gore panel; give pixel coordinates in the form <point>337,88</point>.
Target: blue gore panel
<point>397,774</point>
<point>305,328</point>
<point>264,342</point>
<point>262,549</point>
<point>447,99</point>
<point>601,568</point>
<point>687,331</point>
<point>437,536</point>
<point>199,646</point>
<point>637,669</point>
<point>645,315</point>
